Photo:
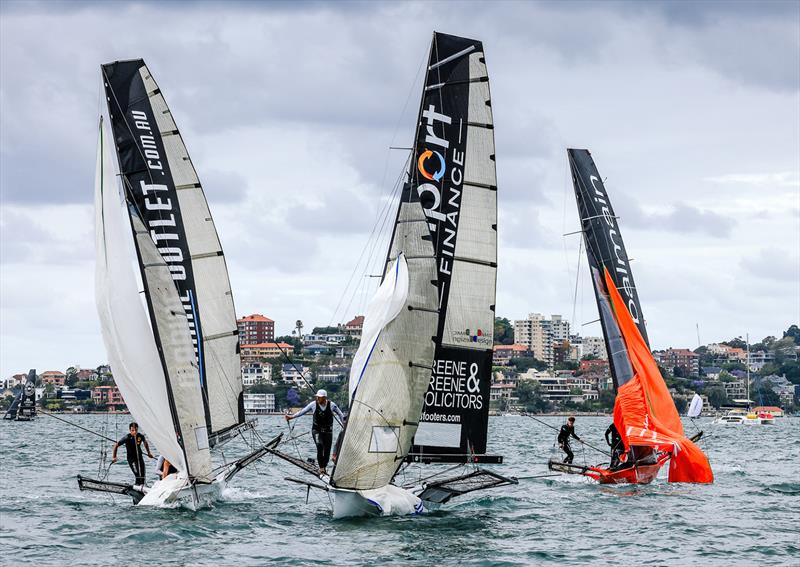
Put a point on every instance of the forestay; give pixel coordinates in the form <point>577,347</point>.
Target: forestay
<point>453,176</point>
<point>164,190</point>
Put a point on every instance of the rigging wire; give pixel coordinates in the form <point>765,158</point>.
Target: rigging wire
<point>76,425</point>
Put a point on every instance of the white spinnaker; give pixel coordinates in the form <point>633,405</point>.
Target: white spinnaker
<point>125,325</point>
<point>223,370</point>
<point>474,275</point>
<point>384,306</point>
<point>387,403</point>
<point>695,407</point>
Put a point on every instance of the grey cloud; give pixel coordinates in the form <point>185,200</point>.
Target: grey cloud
<point>680,218</point>
<point>779,264</point>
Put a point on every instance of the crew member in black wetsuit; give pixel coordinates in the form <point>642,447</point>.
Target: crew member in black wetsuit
<point>614,441</point>
<point>563,439</point>
<point>322,429</point>
<point>133,442</point>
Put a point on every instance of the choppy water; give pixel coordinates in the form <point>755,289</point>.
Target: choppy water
<point>749,516</point>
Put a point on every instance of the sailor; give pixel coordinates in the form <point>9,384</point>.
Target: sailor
<point>614,441</point>
<point>322,428</point>
<point>133,446</point>
<point>563,438</point>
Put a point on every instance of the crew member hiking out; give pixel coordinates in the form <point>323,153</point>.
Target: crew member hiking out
<point>133,442</point>
<point>614,441</point>
<point>563,439</point>
<point>322,429</point>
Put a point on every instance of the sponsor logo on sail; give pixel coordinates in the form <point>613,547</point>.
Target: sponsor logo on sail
<point>621,266</point>
<point>426,157</point>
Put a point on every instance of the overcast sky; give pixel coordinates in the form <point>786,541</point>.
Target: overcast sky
<point>691,111</point>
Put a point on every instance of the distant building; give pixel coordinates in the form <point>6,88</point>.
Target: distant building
<point>108,396</point>
<point>712,372</point>
<point>594,366</point>
<point>354,327</point>
<point>54,377</point>
<point>504,353</point>
<point>680,357</point>
<point>255,329</point>
<point>585,346</point>
<point>15,381</point>
<point>333,374</point>
<point>86,375</point>
<point>256,373</point>
<point>73,394</point>
<point>736,390</point>
<point>261,351</point>
<point>294,373</point>
<point>542,335</point>
<point>259,403</point>
<point>760,358</point>
<point>329,339</point>
<point>724,353</point>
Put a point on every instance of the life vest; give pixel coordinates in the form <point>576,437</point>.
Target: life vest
<point>323,418</point>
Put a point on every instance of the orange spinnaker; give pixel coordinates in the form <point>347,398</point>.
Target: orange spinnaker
<point>644,412</point>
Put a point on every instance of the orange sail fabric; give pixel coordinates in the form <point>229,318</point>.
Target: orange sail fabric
<point>644,412</point>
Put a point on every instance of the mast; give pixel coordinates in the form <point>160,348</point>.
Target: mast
<point>165,192</point>
<point>452,175</point>
<point>747,368</point>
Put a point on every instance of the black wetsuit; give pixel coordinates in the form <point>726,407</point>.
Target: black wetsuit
<point>135,457</point>
<point>563,440</point>
<point>322,431</point>
<point>614,441</point>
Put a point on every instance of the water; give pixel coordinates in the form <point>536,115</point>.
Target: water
<point>749,516</point>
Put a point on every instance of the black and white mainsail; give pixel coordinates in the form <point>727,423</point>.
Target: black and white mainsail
<point>453,176</point>
<point>605,250</point>
<point>165,196</point>
<point>23,406</point>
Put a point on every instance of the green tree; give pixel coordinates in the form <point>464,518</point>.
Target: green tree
<point>765,395</point>
<point>530,397</point>
<point>738,342</point>
<point>793,332</point>
<point>325,331</point>
<point>294,341</point>
<point>503,331</point>
<point>566,365</point>
<point>72,377</point>
<point>680,404</point>
<point>717,396</point>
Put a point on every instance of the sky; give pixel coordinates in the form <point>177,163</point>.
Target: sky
<point>691,112</point>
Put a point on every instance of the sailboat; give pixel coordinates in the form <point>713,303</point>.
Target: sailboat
<point>644,413</point>
<point>168,323</point>
<point>430,348</point>
<point>23,406</point>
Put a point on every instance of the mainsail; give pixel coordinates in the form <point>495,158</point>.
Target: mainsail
<point>453,176</point>
<point>644,412</point>
<point>165,196</point>
<point>392,366</point>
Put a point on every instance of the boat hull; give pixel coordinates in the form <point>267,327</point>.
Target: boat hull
<point>388,500</point>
